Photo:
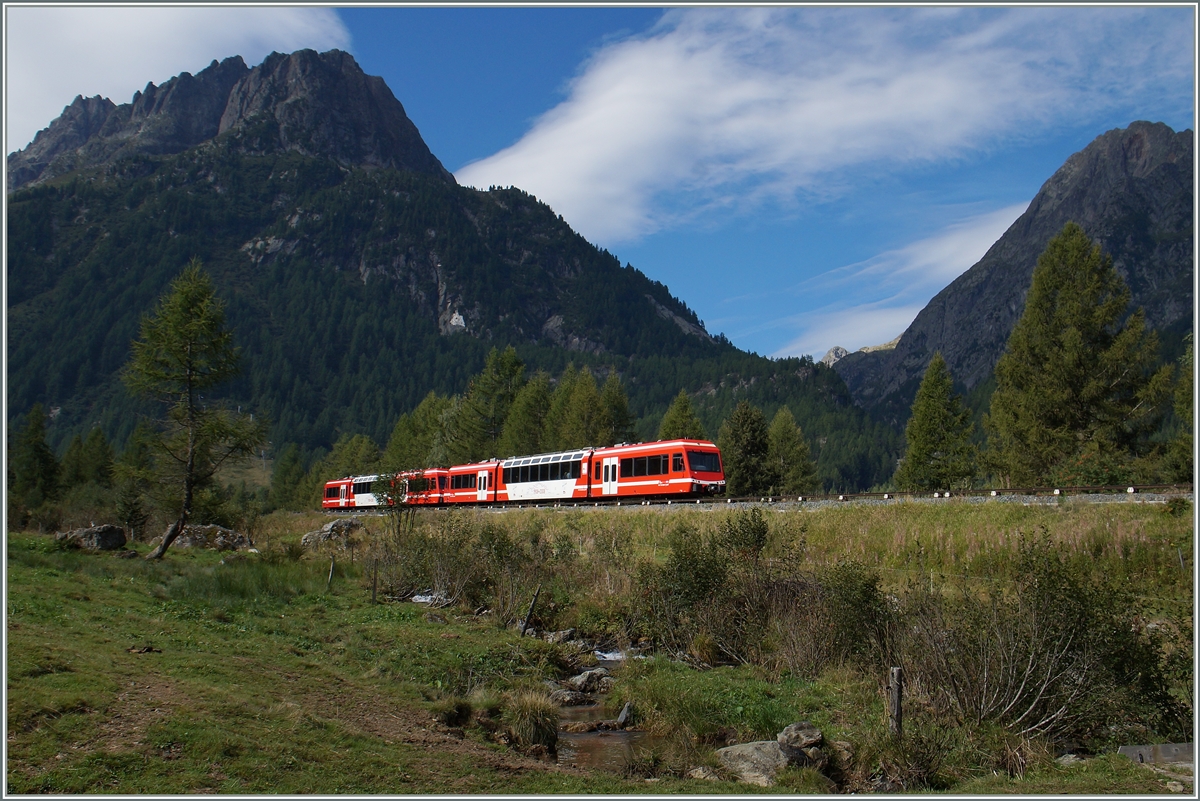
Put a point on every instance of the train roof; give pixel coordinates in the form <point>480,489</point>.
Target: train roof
<point>546,458</point>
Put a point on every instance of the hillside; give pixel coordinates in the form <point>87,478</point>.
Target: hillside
<point>1130,190</point>
<point>357,274</point>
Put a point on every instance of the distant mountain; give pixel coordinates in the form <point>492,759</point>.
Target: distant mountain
<point>316,104</point>
<point>1132,192</point>
<point>357,274</point>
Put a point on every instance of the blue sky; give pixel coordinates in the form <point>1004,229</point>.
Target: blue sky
<point>802,177</point>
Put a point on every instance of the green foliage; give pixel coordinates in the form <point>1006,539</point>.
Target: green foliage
<point>414,434</point>
<point>524,430</point>
<point>486,404</point>
<point>680,421</point>
<point>743,535</point>
<point>287,477</point>
<point>184,349</point>
<point>1180,459</point>
<point>32,469</point>
<point>788,462</point>
<point>1074,376</point>
<point>744,444</point>
<point>582,419</point>
<point>616,423</point>
<point>939,454</point>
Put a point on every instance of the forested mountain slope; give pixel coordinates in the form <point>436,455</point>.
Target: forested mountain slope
<point>1131,191</point>
<point>354,285</point>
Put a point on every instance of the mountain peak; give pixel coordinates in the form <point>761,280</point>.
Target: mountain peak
<point>1130,190</point>
<point>319,104</point>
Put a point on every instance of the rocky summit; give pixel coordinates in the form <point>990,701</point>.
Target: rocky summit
<point>1131,192</point>
<point>306,102</point>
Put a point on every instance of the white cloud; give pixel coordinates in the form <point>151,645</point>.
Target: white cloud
<point>898,284</point>
<point>723,110</point>
<point>54,53</point>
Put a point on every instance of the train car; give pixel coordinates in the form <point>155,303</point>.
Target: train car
<point>675,468</point>
<point>473,483</point>
<point>545,477</point>
<point>656,469</point>
<point>422,487</point>
<point>350,492</point>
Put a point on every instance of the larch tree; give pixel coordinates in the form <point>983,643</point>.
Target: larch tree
<point>524,429</point>
<point>616,422</point>
<point>789,463</point>
<point>184,350</point>
<point>743,442</point>
<point>680,421</point>
<point>581,424</point>
<point>487,401</point>
<point>33,472</point>
<point>1077,376</point>
<point>940,454</point>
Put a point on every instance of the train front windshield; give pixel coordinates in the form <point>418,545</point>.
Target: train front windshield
<point>704,461</point>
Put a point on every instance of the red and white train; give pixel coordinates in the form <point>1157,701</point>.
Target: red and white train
<point>679,467</point>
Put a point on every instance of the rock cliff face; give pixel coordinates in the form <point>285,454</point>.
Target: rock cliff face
<point>1130,190</point>
<point>318,104</point>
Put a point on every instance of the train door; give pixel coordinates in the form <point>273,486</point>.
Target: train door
<point>343,495</point>
<point>611,464</point>
<point>481,486</point>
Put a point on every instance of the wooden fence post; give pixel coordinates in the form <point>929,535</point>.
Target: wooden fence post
<point>329,580</point>
<point>525,622</point>
<point>896,703</point>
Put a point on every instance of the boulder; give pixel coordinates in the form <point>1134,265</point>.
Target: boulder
<point>336,532</point>
<point>105,537</point>
<point>605,684</point>
<point>217,538</point>
<point>797,737</point>
<point>754,763</point>
<point>559,636</point>
<point>588,681</point>
<point>626,712</point>
<point>703,773</point>
<point>569,697</point>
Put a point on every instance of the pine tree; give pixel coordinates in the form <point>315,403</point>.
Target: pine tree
<point>743,442</point>
<point>581,424</point>
<point>286,479</point>
<point>71,468</point>
<point>33,472</point>
<point>525,426</point>
<point>486,404</point>
<point>615,423</point>
<point>184,348</point>
<point>680,421</point>
<point>789,464</point>
<point>97,458</point>
<point>556,416</point>
<point>1073,379</point>
<point>411,443</point>
<point>1180,457</point>
<point>940,454</point>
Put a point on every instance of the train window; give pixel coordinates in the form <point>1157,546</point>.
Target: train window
<point>543,472</point>
<point>441,482</point>
<point>626,468</point>
<point>361,487</point>
<point>596,469</point>
<point>331,492</point>
<point>677,463</point>
<point>704,462</point>
<point>524,473</point>
<point>572,469</point>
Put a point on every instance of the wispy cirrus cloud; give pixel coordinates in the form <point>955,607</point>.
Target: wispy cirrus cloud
<point>53,53</point>
<point>724,110</point>
<point>899,283</point>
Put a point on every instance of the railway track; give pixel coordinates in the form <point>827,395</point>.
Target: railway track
<point>1019,494</point>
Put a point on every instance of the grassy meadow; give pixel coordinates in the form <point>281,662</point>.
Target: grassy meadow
<point>257,673</point>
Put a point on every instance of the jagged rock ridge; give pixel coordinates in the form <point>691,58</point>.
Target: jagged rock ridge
<point>1130,190</point>
<point>317,104</point>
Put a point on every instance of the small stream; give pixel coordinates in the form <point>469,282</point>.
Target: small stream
<point>598,750</point>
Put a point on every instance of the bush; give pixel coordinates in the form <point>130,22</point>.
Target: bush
<point>532,719</point>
